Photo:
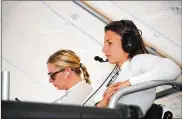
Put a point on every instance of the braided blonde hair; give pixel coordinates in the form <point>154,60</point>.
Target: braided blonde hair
<point>67,58</point>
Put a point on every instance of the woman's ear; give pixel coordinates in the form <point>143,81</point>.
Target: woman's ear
<point>67,71</point>
<point>67,74</point>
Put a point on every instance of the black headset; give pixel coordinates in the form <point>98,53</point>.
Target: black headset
<point>130,36</point>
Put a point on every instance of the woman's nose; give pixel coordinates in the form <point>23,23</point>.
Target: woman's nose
<point>104,49</point>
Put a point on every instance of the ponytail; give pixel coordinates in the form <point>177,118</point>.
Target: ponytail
<point>85,74</point>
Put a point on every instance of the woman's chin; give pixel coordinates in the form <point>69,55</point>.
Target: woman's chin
<point>59,88</point>
<point>111,61</point>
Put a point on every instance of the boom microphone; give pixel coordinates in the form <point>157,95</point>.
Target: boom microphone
<point>97,58</point>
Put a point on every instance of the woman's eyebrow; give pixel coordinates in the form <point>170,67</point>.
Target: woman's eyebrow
<point>107,40</point>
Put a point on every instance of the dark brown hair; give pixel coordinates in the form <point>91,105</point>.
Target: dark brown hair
<point>124,26</point>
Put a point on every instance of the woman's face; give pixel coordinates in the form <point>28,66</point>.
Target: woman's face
<point>113,49</point>
<point>57,79</point>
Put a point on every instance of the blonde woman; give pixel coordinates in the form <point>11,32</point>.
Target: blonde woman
<point>68,73</point>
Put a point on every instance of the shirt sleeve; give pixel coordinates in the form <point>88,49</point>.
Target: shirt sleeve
<point>153,68</point>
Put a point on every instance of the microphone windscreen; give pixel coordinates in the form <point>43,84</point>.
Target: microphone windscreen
<point>96,58</point>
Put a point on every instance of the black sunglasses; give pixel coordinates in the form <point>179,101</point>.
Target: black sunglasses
<point>52,75</point>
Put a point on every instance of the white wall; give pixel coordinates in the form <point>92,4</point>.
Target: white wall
<point>32,31</point>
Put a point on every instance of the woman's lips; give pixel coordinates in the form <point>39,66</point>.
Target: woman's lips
<point>108,56</point>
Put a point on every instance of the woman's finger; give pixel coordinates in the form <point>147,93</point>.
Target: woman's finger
<point>115,85</point>
<point>111,92</point>
<point>109,95</point>
<point>109,89</point>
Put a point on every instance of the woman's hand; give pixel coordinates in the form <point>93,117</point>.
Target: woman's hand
<point>110,91</point>
<point>116,86</point>
<point>105,101</point>
<point>102,104</point>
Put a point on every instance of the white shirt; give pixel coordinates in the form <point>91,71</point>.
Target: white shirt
<point>140,69</point>
<point>76,94</point>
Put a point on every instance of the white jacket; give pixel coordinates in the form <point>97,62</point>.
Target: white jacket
<point>140,69</point>
<point>75,95</point>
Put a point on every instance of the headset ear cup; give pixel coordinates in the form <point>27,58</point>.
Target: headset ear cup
<point>125,45</point>
<point>130,42</point>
